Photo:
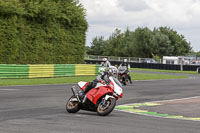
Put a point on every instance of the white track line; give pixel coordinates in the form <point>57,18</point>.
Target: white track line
<point>8,89</point>
<point>165,100</point>
<point>157,116</point>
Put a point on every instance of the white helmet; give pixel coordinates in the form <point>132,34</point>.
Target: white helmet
<point>105,59</point>
<point>125,60</point>
<point>113,71</point>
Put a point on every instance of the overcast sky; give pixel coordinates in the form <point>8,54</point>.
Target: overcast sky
<point>104,16</point>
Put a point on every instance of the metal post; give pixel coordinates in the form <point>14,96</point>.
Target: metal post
<point>181,64</point>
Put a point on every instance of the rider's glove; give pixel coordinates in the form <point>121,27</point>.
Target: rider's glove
<point>102,82</point>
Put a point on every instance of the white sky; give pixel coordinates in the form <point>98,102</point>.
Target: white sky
<point>104,16</point>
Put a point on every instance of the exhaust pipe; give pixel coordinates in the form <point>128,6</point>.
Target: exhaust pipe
<point>75,93</point>
<point>73,90</point>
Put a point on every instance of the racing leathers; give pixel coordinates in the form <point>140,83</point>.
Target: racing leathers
<point>105,64</point>
<point>103,77</point>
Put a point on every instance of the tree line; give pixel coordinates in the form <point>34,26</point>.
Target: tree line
<point>142,42</point>
<point>42,31</point>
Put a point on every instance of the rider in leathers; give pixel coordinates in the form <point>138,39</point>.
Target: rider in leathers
<point>127,69</point>
<point>103,78</point>
<point>105,63</point>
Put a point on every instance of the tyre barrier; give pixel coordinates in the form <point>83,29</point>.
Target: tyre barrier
<point>46,70</point>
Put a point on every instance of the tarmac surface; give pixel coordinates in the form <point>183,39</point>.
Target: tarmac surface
<point>189,107</point>
<point>41,109</point>
<point>184,107</point>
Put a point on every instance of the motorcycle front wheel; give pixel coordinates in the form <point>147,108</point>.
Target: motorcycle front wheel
<point>72,106</point>
<point>124,81</point>
<point>105,108</point>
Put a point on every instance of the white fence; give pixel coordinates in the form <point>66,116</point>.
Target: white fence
<point>129,59</point>
<point>182,60</point>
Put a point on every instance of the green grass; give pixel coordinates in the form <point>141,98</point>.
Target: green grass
<point>167,71</point>
<point>149,76</point>
<point>61,80</point>
<point>37,81</point>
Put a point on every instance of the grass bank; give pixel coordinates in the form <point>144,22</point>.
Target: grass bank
<point>61,80</point>
<point>149,76</point>
<point>166,71</point>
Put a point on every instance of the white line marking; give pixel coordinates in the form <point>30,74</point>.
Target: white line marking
<point>8,89</point>
<point>164,100</point>
<point>81,115</point>
<point>156,116</point>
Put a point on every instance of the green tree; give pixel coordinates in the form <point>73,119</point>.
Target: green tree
<point>113,45</point>
<point>98,46</point>
<point>181,46</point>
<point>142,43</point>
<point>161,44</point>
<point>127,44</point>
<point>198,54</point>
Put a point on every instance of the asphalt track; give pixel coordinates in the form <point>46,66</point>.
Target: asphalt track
<point>41,109</point>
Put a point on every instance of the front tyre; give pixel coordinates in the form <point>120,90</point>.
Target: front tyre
<point>72,105</point>
<point>124,81</point>
<point>105,108</point>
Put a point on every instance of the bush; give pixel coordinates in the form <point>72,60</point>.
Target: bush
<point>42,31</point>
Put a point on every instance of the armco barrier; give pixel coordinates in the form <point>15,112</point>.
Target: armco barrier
<point>46,70</point>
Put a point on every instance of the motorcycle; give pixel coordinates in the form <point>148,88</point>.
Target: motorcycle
<point>122,75</point>
<point>101,99</point>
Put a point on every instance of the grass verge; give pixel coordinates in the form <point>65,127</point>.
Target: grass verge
<point>149,76</point>
<point>61,80</point>
<point>167,71</point>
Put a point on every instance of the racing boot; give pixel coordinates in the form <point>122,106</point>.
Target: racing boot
<point>83,93</point>
<point>87,89</point>
<point>129,79</point>
<point>82,96</point>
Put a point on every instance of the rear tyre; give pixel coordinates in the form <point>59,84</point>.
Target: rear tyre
<point>107,108</point>
<point>72,106</point>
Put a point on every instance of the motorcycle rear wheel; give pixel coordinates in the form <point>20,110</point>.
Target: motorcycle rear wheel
<point>109,108</point>
<point>72,107</point>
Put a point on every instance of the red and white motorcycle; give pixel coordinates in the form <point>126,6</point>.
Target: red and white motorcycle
<point>101,99</point>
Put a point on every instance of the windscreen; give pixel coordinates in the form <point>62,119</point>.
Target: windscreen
<point>117,82</point>
<point>122,69</point>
